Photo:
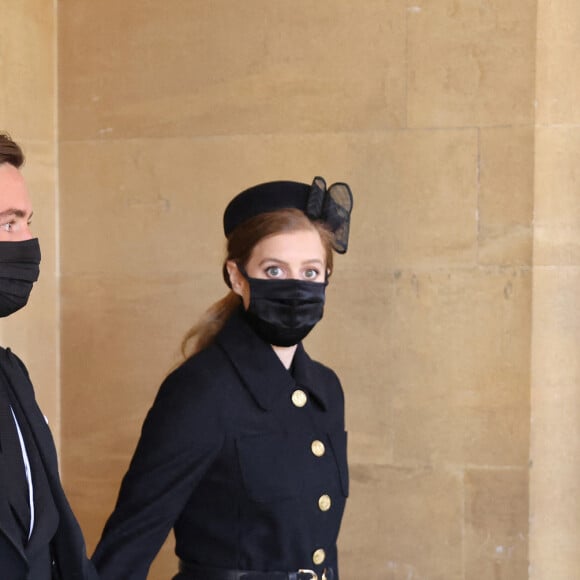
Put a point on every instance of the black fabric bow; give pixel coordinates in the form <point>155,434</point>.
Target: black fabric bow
<point>332,206</point>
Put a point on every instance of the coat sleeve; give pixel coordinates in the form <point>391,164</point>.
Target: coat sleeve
<point>180,438</point>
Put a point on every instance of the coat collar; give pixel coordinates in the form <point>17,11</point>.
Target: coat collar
<point>261,370</point>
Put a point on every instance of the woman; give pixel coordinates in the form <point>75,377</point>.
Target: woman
<point>243,453</point>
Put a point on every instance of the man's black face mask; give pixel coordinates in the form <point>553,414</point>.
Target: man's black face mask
<point>19,269</point>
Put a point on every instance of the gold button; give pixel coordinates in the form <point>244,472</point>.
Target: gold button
<point>319,556</point>
<point>299,398</point>
<point>318,448</point>
<point>324,503</point>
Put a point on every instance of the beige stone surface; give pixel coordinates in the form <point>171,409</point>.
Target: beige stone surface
<point>555,448</point>
<point>143,68</point>
<point>557,203</point>
<point>461,376</point>
<point>556,313</point>
<point>28,69</point>
<point>506,196</point>
<point>416,199</point>
<point>416,196</point>
<point>555,451</point>
<point>496,521</point>
<point>470,63</point>
<point>402,523</point>
<point>558,59</point>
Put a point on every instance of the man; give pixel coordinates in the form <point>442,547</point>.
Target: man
<point>40,538</point>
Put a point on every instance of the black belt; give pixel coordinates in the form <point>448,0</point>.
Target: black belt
<point>195,572</point>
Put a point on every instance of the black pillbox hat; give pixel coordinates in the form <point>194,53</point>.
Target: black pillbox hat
<point>265,197</point>
<point>332,205</point>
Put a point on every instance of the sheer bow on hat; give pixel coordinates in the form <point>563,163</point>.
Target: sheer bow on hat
<point>332,206</point>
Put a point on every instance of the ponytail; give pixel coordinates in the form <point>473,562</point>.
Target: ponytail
<point>212,321</point>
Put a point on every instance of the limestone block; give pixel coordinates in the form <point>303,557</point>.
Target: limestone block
<point>506,199</point>
<point>555,451</point>
<point>417,202</point>
<point>556,363</point>
<point>470,63</point>
<point>401,524</point>
<point>28,69</point>
<point>462,373</point>
<point>143,68</point>
<point>554,505</point>
<point>556,202</point>
<point>130,207</point>
<point>128,341</point>
<point>496,524</point>
<point>558,60</point>
<point>145,205</point>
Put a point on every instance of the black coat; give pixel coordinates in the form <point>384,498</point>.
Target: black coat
<point>227,460</point>
<point>55,522</point>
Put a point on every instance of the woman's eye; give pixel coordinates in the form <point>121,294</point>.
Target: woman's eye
<point>274,271</point>
<point>311,274</point>
<point>7,227</point>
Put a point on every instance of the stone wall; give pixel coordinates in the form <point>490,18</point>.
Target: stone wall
<point>555,393</point>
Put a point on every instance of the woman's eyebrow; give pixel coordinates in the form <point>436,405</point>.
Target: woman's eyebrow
<point>276,260</point>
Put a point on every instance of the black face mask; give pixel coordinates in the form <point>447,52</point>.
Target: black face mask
<point>19,269</point>
<point>283,312</point>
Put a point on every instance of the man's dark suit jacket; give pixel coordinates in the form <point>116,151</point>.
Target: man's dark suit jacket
<point>55,523</point>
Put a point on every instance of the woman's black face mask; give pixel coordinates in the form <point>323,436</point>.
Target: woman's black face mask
<point>283,312</point>
<point>19,269</point>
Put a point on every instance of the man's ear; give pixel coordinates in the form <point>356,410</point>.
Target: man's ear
<point>236,278</point>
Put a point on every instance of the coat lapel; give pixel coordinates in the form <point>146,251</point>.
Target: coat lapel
<point>23,392</point>
<point>43,458</point>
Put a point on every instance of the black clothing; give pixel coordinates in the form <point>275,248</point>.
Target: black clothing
<point>234,466</point>
<point>56,547</point>
<point>16,486</point>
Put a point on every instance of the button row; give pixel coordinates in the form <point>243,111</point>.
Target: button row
<point>299,399</point>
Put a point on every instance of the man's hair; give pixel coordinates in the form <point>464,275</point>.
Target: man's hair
<point>10,151</point>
